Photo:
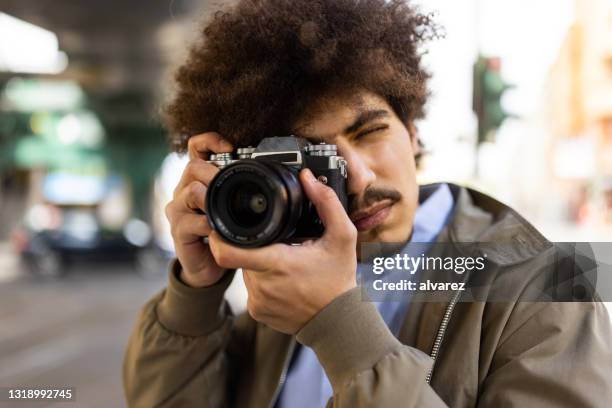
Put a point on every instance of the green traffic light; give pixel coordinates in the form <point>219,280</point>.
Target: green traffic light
<point>488,90</point>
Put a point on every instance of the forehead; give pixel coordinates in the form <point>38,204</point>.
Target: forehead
<point>331,115</point>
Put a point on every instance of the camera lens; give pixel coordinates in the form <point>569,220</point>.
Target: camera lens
<point>248,204</point>
<point>254,203</point>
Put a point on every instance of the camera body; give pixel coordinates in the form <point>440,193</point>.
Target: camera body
<point>256,199</point>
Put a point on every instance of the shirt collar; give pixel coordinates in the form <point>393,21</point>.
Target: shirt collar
<point>431,216</point>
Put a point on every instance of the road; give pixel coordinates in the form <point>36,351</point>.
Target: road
<point>71,332</point>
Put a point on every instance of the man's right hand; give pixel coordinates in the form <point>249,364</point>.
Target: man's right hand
<point>185,212</point>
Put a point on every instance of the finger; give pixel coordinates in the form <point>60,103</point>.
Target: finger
<point>191,227</point>
<point>199,146</point>
<point>248,283</point>
<point>337,224</point>
<point>192,198</point>
<point>196,170</point>
<point>259,300</point>
<point>260,259</point>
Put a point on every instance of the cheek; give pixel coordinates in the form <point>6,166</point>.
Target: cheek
<point>394,162</point>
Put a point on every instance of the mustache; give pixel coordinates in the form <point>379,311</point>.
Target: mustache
<point>373,195</point>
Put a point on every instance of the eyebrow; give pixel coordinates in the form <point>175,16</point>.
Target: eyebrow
<point>365,117</point>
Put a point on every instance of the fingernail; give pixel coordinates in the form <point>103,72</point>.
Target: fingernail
<point>309,176</point>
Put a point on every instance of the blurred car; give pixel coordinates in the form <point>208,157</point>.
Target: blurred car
<point>87,219</point>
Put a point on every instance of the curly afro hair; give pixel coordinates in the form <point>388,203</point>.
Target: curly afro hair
<point>260,63</point>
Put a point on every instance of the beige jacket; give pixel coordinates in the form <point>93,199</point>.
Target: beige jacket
<point>188,350</point>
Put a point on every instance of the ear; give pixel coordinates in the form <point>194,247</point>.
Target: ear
<point>414,138</point>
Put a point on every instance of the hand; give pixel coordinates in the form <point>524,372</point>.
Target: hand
<point>288,285</point>
<point>186,212</point>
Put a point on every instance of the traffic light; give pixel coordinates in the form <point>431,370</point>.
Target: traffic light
<point>488,89</point>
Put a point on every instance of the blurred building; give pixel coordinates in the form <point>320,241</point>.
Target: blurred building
<point>580,112</point>
<point>68,67</point>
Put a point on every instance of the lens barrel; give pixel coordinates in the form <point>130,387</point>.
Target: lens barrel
<point>254,203</point>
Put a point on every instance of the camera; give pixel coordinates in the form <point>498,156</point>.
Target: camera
<point>256,198</point>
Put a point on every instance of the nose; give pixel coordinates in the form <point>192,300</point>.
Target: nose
<point>360,174</point>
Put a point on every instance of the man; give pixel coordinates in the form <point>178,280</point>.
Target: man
<point>345,72</point>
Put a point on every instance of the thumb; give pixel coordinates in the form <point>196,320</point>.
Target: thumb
<point>337,224</point>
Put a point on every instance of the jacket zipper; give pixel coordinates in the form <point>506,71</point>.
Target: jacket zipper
<point>441,332</point>
<point>283,376</point>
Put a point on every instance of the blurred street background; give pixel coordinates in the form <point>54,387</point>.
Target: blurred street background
<point>521,109</point>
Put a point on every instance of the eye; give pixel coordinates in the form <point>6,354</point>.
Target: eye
<point>371,130</point>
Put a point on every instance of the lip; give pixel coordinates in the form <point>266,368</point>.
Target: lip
<point>372,216</point>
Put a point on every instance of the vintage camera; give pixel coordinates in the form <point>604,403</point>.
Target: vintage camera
<point>256,199</point>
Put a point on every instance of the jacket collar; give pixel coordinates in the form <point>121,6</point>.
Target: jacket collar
<point>479,218</point>
<point>505,236</point>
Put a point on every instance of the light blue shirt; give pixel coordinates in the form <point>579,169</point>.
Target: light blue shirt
<point>306,385</point>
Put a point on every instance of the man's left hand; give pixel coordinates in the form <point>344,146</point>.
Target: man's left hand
<point>288,285</point>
